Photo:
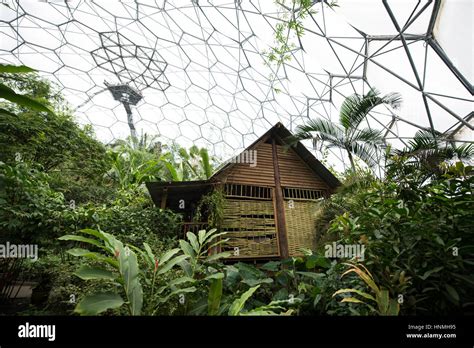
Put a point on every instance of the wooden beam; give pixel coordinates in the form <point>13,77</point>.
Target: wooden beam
<point>164,198</point>
<point>280,208</point>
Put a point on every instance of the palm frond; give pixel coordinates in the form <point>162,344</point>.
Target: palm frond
<point>465,151</point>
<point>356,107</point>
<point>372,136</point>
<point>319,129</point>
<point>424,140</point>
<point>366,152</point>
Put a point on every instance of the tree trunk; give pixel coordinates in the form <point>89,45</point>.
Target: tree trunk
<point>351,160</point>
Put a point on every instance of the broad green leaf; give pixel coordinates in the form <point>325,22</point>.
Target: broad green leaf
<point>383,301</point>
<point>430,272</point>
<point>253,282</point>
<point>15,69</point>
<point>150,255</point>
<point>98,303</point>
<point>94,233</point>
<point>219,242</point>
<point>217,275</point>
<point>208,234</point>
<point>312,275</point>
<point>87,273</point>
<point>134,288</point>
<point>193,240</point>
<point>452,292</point>
<point>352,300</point>
<point>187,248</point>
<point>361,293</point>
<point>21,100</point>
<point>174,293</point>
<point>142,254</point>
<point>82,239</point>
<point>271,266</point>
<point>210,238</point>
<point>239,303</point>
<point>186,267</point>
<point>218,256</point>
<point>129,270</point>
<point>175,282</point>
<point>315,260</point>
<point>92,255</point>
<point>168,255</point>
<point>171,263</point>
<point>214,298</point>
<point>394,307</point>
<point>201,236</point>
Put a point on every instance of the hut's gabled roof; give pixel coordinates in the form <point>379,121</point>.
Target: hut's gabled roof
<point>281,135</point>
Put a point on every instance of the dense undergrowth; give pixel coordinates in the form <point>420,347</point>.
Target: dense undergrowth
<point>101,238</point>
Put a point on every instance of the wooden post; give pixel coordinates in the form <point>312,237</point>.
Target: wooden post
<point>280,208</point>
<point>164,198</point>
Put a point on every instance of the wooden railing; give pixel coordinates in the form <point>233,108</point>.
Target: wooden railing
<point>193,227</point>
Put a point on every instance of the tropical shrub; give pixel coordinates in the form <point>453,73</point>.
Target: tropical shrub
<point>418,240</point>
<point>70,154</point>
<point>384,305</point>
<point>29,208</point>
<point>119,265</point>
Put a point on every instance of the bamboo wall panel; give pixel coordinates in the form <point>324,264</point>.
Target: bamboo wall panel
<point>250,225</point>
<point>295,172</point>
<point>300,225</point>
<point>261,174</point>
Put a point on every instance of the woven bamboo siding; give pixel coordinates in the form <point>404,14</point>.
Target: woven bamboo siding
<point>300,225</point>
<point>250,225</point>
<point>261,174</point>
<point>295,172</point>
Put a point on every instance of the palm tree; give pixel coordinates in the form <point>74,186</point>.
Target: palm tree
<point>424,154</point>
<point>347,135</point>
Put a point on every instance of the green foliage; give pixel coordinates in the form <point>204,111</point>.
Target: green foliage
<point>192,164</point>
<point>133,223</point>
<point>135,162</point>
<point>71,156</point>
<point>214,297</point>
<point>29,208</point>
<point>364,143</point>
<point>291,15</point>
<point>418,239</point>
<point>425,158</point>
<point>385,304</point>
<point>197,248</point>
<point>9,73</point>
<point>119,264</point>
<point>211,205</point>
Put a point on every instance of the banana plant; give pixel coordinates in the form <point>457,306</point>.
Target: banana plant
<point>380,298</point>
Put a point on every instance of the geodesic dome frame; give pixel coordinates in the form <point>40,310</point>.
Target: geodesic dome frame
<point>205,80</point>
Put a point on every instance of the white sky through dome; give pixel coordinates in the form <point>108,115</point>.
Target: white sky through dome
<point>220,92</point>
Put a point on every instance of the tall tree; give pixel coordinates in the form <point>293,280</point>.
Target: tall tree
<point>348,135</point>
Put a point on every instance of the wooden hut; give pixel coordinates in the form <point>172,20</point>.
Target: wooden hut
<point>271,193</point>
